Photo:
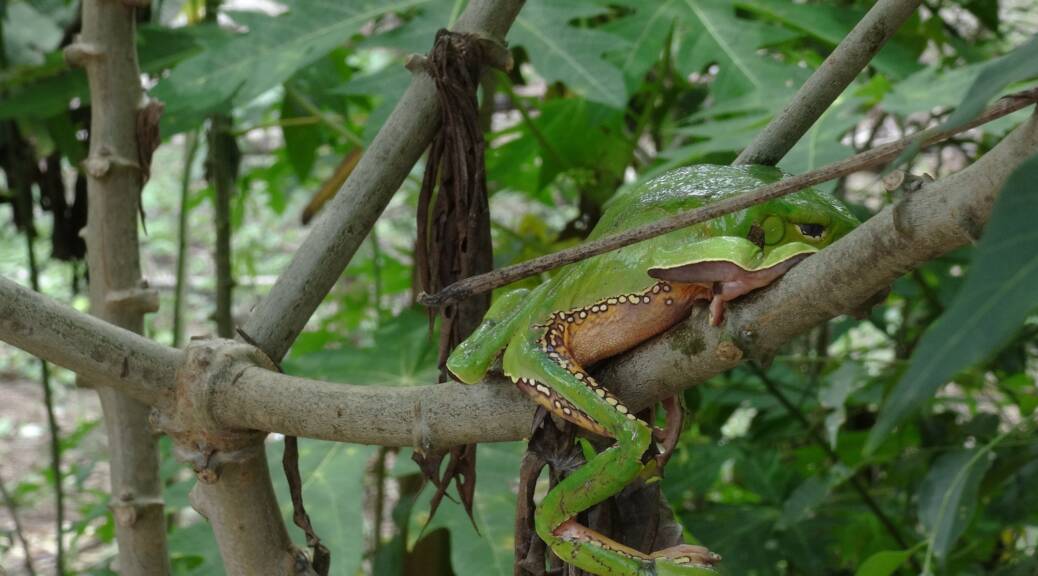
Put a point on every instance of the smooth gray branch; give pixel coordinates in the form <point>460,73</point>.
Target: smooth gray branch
<point>348,218</point>
<point>844,63</point>
<point>937,219</point>
<point>868,159</point>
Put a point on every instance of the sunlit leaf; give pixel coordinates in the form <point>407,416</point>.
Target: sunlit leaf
<point>333,483</point>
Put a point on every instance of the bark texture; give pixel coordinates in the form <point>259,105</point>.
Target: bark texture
<point>117,293</point>
<point>939,218</point>
<point>837,72</point>
<point>348,218</point>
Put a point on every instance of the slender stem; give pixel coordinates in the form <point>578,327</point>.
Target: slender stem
<point>183,234</point>
<point>849,58</point>
<point>330,120</point>
<point>52,420</point>
<point>19,532</point>
<point>875,157</point>
<point>278,122</point>
<point>222,161</point>
<point>517,103</point>
<point>380,497</point>
<point>222,179</point>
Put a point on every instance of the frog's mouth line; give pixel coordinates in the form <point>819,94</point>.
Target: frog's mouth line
<point>726,280</point>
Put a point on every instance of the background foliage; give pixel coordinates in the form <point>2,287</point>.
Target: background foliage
<point>605,92</point>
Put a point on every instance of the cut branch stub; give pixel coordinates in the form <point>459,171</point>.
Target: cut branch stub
<point>199,440</point>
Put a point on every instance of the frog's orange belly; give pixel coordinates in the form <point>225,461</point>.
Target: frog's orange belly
<point>620,323</point>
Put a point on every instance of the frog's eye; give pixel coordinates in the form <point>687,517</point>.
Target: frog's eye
<point>814,231</point>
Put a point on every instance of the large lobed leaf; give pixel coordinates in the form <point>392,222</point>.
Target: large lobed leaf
<point>1001,289</point>
<point>564,53</point>
<point>235,70</point>
<point>706,32</point>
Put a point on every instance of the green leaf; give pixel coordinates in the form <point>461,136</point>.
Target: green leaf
<point>333,485</point>
<point>28,35</point>
<point>883,563</point>
<point>560,144</point>
<point>1001,288</point>
<point>821,144</point>
<point>301,141</point>
<point>387,85</point>
<point>193,551</point>
<point>491,551</point>
<point>53,89</point>
<point>238,69</point>
<point>1020,64</point>
<point>830,24</point>
<point>948,496</point>
<point>707,32</point>
<point>402,353</point>
<point>931,86</point>
<point>847,379</point>
<point>560,52</point>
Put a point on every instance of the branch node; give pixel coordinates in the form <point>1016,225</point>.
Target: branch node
<point>200,440</point>
<point>128,508</point>
<point>420,433</point>
<point>80,53</point>
<point>142,299</point>
<point>728,351</point>
<point>416,63</point>
<point>98,165</point>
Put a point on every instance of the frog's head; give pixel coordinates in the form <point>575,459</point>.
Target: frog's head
<point>750,249</point>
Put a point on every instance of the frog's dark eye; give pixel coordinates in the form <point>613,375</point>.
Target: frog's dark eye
<point>811,230</point>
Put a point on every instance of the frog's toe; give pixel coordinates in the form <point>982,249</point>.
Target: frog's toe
<point>685,560</point>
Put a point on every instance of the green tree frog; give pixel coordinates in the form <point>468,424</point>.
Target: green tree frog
<point>605,305</point>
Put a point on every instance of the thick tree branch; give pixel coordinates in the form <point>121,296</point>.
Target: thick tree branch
<point>348,218</point>
<point>935,220</point>
<point>868,159</point>
<point>844,63</point>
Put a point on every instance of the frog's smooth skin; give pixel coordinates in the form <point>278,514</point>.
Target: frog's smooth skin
<point>610,303</point>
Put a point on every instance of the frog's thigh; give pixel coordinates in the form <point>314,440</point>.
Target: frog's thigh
<point>546,371</point>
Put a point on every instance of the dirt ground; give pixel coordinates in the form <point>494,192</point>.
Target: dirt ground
<point>25,458</point>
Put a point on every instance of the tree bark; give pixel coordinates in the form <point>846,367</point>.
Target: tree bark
<point>348,218</point>
<point>939,218</point>
<point>117,293</point>
<point>837,72</point>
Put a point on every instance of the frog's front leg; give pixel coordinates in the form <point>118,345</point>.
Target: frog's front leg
<point>544,367</point>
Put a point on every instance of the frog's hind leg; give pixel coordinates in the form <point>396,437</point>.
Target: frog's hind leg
<point>556,381</point>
